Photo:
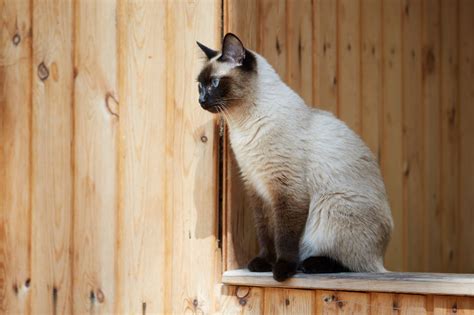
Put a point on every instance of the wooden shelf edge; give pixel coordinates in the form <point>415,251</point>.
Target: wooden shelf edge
<point>390,282</point>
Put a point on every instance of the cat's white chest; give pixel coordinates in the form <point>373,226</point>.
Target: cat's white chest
<point>250,155</point>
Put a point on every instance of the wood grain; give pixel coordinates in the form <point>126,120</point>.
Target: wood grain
<point>431,41</point>
<point>325,86</point>
<point>449,118</point>
<point>142,218</point>
<point>444,305</point>
<point>241,300</point>
<point>466,133</point>
<point>300,48</point>
<point>348,57</point>
<point>336,302</point>
<point>422,283</point>
<point>96,115</point>
<point>15,137</point>
<point>285,301</point>
<point>413,127</point>
<point>52,158</point>
<point>191,155</point>
<point>392,137</point>
<point>371,73</point>
<point>272,35</point>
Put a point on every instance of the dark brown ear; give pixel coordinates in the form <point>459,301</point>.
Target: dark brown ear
<point>232,49</point>
<point>210,53</point>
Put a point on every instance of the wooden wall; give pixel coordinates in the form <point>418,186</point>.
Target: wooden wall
<point>109,168</point>
<point>253,300</point>
<point>400,73</point>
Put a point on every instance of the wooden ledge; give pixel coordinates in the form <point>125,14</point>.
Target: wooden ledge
<point>397,282</point>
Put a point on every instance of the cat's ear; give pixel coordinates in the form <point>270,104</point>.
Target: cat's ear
<point>210,53</point>
<point>232,49</point>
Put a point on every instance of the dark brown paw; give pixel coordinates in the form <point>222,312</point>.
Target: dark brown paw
<point>283,270</point>
<point>321,264</point>
<point>259,264</point>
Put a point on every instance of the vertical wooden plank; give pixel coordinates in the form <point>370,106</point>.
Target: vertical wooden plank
<point>143,185</point>
<point>300,48</point>
<point>239,235</point>
<point>371,72</point>
<point>391,146</point>
<point>410,304</point>
<point>325,55</point>
<point>191,153</point>
<point>15,136</point>
<point>95,177</point>
<point>349,92</point>
<point>466,116</point>
<point>382,304</point>
<point>449,135</point>
<point>241,300</point>
<point>444,305</point>
<point>413,144</point>
<point>431,32</point>
<point>52,142</point>
<point>289,301</point>
<point>272,36</point>
<point>332,302</point>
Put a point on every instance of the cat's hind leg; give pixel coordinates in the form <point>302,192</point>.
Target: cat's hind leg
<point>322,264</point>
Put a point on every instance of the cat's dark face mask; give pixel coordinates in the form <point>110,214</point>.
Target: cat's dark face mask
<point>224,79</point>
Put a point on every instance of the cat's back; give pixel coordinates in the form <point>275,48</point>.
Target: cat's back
<point>338,156</point>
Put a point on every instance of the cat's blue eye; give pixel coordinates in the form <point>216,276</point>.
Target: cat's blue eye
<point>215,82</point>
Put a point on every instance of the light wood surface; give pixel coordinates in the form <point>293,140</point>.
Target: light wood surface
<point>52,157</point>
<point>96,123</point>
<point>423,283</point>
<point>15,154</point>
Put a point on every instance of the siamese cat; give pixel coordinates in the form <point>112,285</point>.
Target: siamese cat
<point>319,199</point>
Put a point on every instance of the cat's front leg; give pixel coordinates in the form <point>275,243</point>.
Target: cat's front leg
<point>290,220</point>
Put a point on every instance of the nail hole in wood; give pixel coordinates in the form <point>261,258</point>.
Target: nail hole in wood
<point>27,283</point>
<point>204,139</point>
<point>15,288</point>
<point>242,302</point>
<point>287,302</point>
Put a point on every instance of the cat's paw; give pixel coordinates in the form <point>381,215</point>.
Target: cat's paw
<point>259,264</point>
<point>283,270</point>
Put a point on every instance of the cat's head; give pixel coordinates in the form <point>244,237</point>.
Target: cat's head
<point>227,78</point>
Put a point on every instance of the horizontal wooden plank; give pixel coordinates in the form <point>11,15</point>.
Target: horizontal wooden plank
<point>402,282</point>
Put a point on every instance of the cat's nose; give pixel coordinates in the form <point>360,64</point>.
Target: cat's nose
<point>202,98</point>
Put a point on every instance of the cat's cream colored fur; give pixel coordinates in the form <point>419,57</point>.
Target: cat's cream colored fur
<point>326,165</point>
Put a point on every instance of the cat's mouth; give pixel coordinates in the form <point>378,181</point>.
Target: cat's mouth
<point>213,108</point>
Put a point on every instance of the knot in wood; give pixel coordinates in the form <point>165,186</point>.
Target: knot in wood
<point>16,39</point>
<point>43,71</point>
<point>100,296</point>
